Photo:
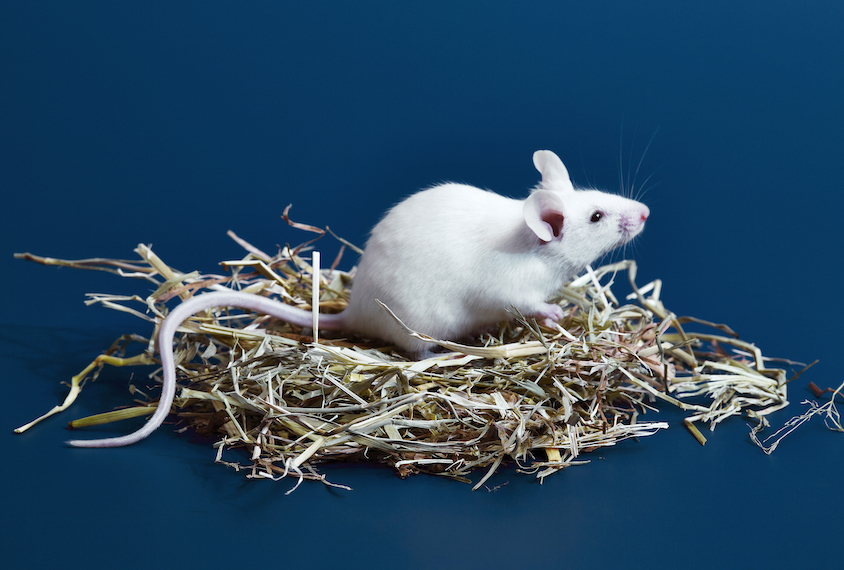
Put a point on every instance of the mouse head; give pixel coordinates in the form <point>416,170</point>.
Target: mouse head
<point>580,225</point>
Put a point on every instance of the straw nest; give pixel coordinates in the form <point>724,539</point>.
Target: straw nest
<point>537,396</point>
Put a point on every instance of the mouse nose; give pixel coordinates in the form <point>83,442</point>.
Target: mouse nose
<point>644,213</point>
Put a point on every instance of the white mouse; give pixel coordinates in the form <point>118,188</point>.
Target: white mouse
<point>450,262</point>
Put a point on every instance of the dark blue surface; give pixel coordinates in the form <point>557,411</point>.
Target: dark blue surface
<point>123,123</point>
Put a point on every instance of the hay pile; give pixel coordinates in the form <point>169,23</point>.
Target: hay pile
<point>541,397</point>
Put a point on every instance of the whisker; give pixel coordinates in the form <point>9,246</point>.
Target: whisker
<point>639,166</point>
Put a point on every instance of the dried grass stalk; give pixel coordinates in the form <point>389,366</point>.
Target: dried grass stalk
<point>541,397</point>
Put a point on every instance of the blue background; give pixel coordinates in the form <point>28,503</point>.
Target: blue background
<point>170,123</point>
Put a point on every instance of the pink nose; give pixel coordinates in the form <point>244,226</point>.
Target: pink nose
<point>645,213</point>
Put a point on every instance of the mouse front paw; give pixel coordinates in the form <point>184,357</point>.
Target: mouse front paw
<point>548,315</point>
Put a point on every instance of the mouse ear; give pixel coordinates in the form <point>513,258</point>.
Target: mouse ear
<point>552,169</point>
<point>543,212</point>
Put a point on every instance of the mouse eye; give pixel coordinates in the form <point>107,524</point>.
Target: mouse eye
<point>596,217</point>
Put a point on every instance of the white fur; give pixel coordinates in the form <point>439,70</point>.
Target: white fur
<point>451,260</point>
